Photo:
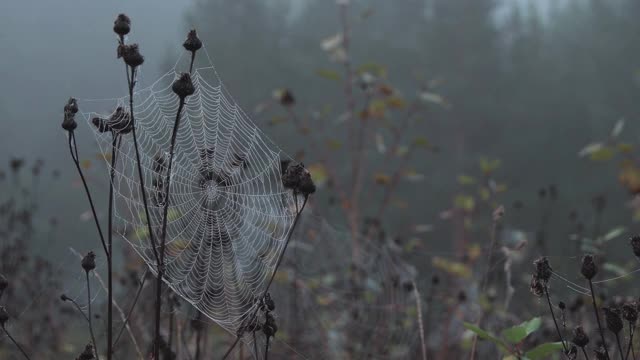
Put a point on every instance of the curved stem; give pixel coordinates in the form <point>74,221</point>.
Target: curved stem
<point>266,349</point>
<point>595,310</point>
<point>16,343</point>
<point>93,338</point>
<point>632,328</point>
<point>73,149</point>
<point>553,316</point>
<point>584,351</point>
<point>231,347</point>
<point>620,346</point>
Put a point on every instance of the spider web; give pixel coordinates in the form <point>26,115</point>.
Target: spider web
<point>229,214</point>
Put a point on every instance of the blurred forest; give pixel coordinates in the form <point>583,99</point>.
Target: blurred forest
<point>452,143</point>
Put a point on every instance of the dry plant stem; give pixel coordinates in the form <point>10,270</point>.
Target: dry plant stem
<point>163,236</point>
<point>73,149</point>
<point>198,335</point>
<point>133,305</point>
<point>114,146</point>
<point>266,350</point>
<point>15,343</point>
<point>586,356</point>
<point>553,316</point>
<point>423,342</point>
<point>595,310</point>
<point>273,275</point>
<point>93,338</point>
<point>632,329</point>
<point>620,346</point>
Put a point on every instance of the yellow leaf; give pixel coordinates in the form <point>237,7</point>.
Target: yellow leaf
<point>466,180</point>
<point>328,74</point>
<point>396,102</point>
<point>602,154</point>
<point>318,174</point>
<point>86,164</point>
<point>464,202</point>
<point>334,144</point>
<point>452,267</point>
<point>382,179</point>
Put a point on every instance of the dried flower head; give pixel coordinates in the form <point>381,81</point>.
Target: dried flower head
<point>4,283</point>
<point>193,43</point>
<point>297,178</point>
<point>630,312</point>
<point>536,286</point>
<point>580,338</point>
<point>70,110</point>
<point>562,305</point>
<point>613,319</point>
<point>601,353</point>
<point>183,86</point>
<point>635,245</point>
<point>87,353</point>
<point>64,297</point>
<point>4,316</point>
<point>122,25</point>
<point>285,97</point>
<point>102,125</point>
<point>120,121</point>
<point>589,268</point>
<point>543,269</point>
<point>131,55</point>
<point>270,327</point>
<point>89,261</point>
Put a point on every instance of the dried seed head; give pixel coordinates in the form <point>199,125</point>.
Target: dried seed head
<point>192,43</point>
<point>89,261</point>
<point>3,282</point>
<point>297,178</point>
<point>613,319</point>
<point>183,86</point>
<point>122,25</point>
<point>64,297</point>
<point>285,97</point>
<point>630,312</point>
<point>131,55</point>
<point>4,316</point>
<point>635,245</point>
<point>120,121</point>
<point>268,301</point>
<point>270,327</point>
<point>562,305</point>
<point>87,353</point>
<point>589,268</point>
<point>536,286</point>
<point>70,110</point>
<point>101,124</point>
<point>543,269</point>
<point>580,338</point>
<point>601,353</point>
<point>572,353</point>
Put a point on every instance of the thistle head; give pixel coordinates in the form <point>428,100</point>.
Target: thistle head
<point>536,286</point>
<point>635,245</point>
<point>183,86</point>
<point>70,110</point>
<point>580,338</point>
<point>193,43</point>
<point>122,25</point>
<point>4,316</point>
<point>613,319</point>
<point>89,261</point>
<point>131,55</point>
<point>297,178</point>
<point>630,312</point>
<point>543,269</point>
<point>588,268</point>
<point>87,354</point>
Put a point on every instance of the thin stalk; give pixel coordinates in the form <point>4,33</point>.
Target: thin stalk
<point>619,346</point>
<point>632,328</point>
<point>93,338</point>
<point>135,301</point>
<point>163,236</point>
<point>584,351</point>
<point>15,343</point>
<point>255,344</point>
<point>115,144</point>
<point>73,149</point>
<point>145,203</point>
<point>553,316</point>
<point>595,310</point>
<point>266,349</point>
<point>293,226</point>
<point>198,336</point>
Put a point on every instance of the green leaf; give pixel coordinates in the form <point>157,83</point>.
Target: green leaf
<point>517,333</point>
<point>486,336</point>
<point>543,351</point>
<point>614,233</point>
